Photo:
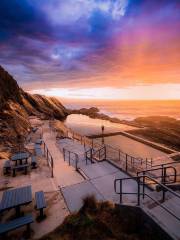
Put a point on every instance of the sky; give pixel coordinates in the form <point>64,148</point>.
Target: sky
<point>112,49</point>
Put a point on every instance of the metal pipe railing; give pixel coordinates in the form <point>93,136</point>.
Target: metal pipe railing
<point>163,173</point>
<point>143,194</point>
<point>70,153</point>
<point>49,158</point>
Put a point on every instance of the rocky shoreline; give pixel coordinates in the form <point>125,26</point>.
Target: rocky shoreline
<point>95,113</point>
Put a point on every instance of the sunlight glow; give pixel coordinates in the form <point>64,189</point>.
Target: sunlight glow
<point>144,92</point>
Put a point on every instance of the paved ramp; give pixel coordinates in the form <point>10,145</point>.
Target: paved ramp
<point>100,184</point>
<point>75,194</point>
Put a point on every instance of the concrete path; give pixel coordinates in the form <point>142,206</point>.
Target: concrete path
<point>64,175</point>
<point>100,183</point>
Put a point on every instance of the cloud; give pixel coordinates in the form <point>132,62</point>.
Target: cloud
<point>90,43</point>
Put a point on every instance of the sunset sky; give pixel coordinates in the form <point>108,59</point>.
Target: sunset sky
<point>114,49</point>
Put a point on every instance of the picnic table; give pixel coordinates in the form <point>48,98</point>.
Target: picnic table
<point>15,198</point>
<point>20,157</point>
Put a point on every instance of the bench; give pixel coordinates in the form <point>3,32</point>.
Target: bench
<point>7,166</point>
<point>40,202</point>
<point>33,161</point>
<point>16,223</point>
<point>24,166</point>
<point>39,141</point>
<point>38,151</point>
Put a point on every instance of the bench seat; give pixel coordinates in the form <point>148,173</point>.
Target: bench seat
<point>39,141</point>
<point>7,166</point>
<point>16,223</point>
<point>40,202</point>
<point>23,166</point>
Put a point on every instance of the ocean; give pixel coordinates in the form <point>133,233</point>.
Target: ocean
<point>129,110</point>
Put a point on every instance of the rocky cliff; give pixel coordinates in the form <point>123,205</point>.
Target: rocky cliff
<point>17,105</point>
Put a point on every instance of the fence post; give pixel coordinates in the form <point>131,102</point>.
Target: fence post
<point>52,166</point>
<point>86,156</point>
<point>126,162</point>
<point>47,154</point>
<point>143,184</point>
<point>105,152</point>
<point>64,154</point>
<point>76,162</point>
<point>119,155</point>
<point>120,195</point>
<point>69,158</point>
<point>138,200</point>
<point>91,152</point>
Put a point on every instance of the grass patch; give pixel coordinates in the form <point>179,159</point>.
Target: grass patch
<point>104,221</point>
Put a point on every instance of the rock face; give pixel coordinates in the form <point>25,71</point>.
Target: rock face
<point>16,106</point>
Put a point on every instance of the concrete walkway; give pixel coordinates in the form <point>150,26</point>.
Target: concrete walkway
<point>64,175</point>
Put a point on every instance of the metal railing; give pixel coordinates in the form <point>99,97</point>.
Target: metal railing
<point>89,155</point>
<point>160,171</point>
<point>72,157</point>
<point>164,176</point>
<point>141,181</point>
<point>49,158</point>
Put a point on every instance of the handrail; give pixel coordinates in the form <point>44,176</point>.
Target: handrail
<point>100,153</point>
<point>49,158</point>
<point>161,184</point>
<point>163,173</point>
<point>138,193</point>
<point>91,155</point>
<point>69,157</point>
<point>164,164</point>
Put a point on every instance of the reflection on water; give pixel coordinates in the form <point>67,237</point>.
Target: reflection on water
<point>88,126</point>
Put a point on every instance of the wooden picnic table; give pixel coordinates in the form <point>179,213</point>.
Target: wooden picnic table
<point>15,198</point>
<point>20,157</point>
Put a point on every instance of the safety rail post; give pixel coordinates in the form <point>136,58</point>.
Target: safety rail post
<point>126,162</point>
<point>119,156</point>
<point>47,153</point>
<point>120,192</point>
<point>86,157</point>
<point>64,154</point>
<point>76,161</point>
<point>105,152</point>
<point>69,158</point>
<point>143,184</point>
<point>138,193</point>
<point>91,155</point>
<point>52,167</point>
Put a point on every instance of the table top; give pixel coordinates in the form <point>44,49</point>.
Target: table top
<point>20,156</point>
<point>16,197</point>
